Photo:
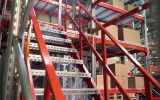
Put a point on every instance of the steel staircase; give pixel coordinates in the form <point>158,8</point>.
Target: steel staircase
<point>74,79</point>
<point>56,68</point>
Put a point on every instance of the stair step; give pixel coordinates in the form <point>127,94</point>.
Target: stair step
<point>38,58</point>
<point>86,91</point>
<point>36,72</point>
<point>50,39</point>
<point>34,46</point>
<point>48,29</point>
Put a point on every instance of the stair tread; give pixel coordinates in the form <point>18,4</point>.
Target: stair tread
<point>37,58</point>
<point>69,91</point>
<point>46,28</point>
<point>34,46</point>
<point>61,73</point>
<point>50,39</point>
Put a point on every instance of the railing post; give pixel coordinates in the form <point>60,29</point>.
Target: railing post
<point>105,74</point>
<point>80,37</point>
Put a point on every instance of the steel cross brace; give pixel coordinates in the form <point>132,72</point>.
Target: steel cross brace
<point>50,69</point>
<point>134,61</point>
<point>123,16</point>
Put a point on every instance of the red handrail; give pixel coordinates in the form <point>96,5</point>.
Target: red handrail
<point>49,67</point>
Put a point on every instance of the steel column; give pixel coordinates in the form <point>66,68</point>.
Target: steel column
<point>50,69</point>
<point>115,41</point>
<point>66,24</point>
<point>60,13</point>
<point>47,90</point>
<point>25,18</point>
<point>148,89</point>
<point>93,58</point>
<point>80,38</point>
<point>148,85</point>
<point>105,74</point>
<point>9,58</point>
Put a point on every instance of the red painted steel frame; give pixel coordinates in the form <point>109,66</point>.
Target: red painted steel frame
<point>50,70</point>
<point>47,90</point>
<point>105,74</point>
<point>115,91</point>
<point>80,38</point>
<point>94,4</point>
<point>100,59</point>
<point>123,16</point>
<point>134,61</point>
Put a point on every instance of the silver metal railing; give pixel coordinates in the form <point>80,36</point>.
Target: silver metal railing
<point>22,70</point>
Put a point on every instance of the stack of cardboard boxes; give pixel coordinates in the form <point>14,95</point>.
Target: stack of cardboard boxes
<point>121,73</point>
<point>119,70</point>
<point>129,36</point>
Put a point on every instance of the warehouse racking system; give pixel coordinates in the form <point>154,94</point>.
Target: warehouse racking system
<point>64,73</point>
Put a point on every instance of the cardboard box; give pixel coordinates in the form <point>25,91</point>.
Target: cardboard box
<point>122,80</point>
<point>136,82</point>
<point>129,7</point>
<point>113,30</point>
<point>113,60</point>
<point>129,64</point>
<point>100,83</point>
<point>117,3</point>
<point>43,17</point>
<point>119,69</point>
<point>129,36</point>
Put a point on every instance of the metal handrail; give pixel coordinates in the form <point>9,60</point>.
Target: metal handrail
<point>22,70</point>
